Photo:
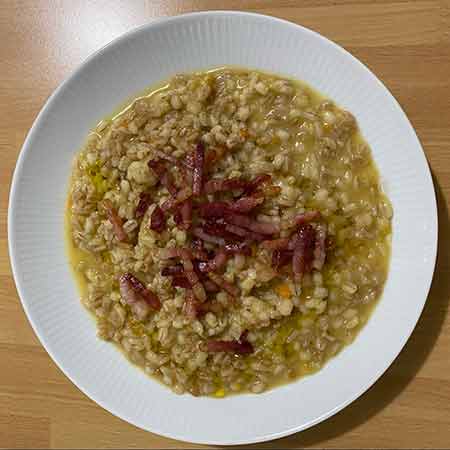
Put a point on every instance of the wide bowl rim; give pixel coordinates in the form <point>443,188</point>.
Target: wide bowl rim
<point>26,147</point>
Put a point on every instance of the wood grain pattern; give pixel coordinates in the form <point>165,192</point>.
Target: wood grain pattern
<point>405,42</point>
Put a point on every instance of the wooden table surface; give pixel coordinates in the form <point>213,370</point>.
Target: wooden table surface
<point>405,43</point>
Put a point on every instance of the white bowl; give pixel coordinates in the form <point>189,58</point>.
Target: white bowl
<point>36,215</point>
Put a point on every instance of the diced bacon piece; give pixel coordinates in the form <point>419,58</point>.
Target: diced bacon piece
<point>180,197</point>
<point>167,182</point>
<point>185,257</point>
<point>158,167</point>
<point>142,206</point>
<point>251,224</point>
<point>177,218</point>
<point>293,241</point>
<point>211,157</point>
<point>115,221</point>
<point>256,183</point>
<point>276,244</point>
<point>303,251</point>
<point>163,175</point>
<point>246,204</point>
<point>220,185</point>
<point>219,209</point>
<point>197,244</point>
<point>219,228</point>
<point>280,258</point>
<point>320,247</point>
<point>243,233</point>
<point>186,214</point>
<point>216,263</point>
<point>181,281</point>
<point>231,232</point>
<point>151,298</point>
<point>239,347</point>
<point>199,161</point>
<point>158,220</point>
<point>172,270</point>
<point>198,250</point>
<point>210,286</point>
<point>201,234</point>
<point>201,255</point>
<point>188,169</point>
<point>132,290</point>
<point>219,260</point>
<point>213,209</point>
<point>127,291</point>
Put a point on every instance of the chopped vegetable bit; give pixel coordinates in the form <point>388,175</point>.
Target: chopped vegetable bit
<point>220,393</point>
<point>284,290</point>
